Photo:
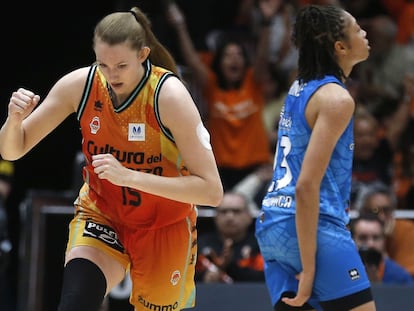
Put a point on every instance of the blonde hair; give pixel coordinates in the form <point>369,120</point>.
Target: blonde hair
<point>135,28</point>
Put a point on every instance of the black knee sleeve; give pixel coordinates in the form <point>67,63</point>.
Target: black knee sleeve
<point>84,286</point>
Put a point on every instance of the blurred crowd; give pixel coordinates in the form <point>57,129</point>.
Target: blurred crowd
<point>240,67</point>
<point>239,71</point>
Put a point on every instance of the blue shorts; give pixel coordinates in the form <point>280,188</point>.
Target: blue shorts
<point>339,268</point>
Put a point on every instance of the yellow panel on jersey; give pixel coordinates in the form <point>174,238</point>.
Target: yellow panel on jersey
<point>134,134</point>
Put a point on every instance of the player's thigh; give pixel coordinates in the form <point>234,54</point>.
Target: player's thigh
<point>340,271</point>
<point>94,239</point>
<point>163,267</point>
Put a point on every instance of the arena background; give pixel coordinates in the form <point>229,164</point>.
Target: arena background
<point>41,41</point>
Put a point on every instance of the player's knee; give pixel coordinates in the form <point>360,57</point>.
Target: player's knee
<point>84,286</point>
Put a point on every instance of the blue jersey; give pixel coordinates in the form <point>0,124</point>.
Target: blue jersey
<point>293,138</point>
<point>339,268</point>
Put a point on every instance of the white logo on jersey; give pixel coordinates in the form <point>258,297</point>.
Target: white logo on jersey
<point>95,125</point>
<point>136,132</point>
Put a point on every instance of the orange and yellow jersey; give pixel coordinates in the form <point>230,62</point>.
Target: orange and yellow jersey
<point>135,135</point>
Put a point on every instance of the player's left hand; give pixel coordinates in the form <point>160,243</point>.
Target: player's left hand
<point>304,290</point>
<point>106,166</point>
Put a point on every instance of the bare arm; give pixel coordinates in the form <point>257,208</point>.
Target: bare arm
<point>27,124</point>
<point>397,123</point>
<point>268,10</point>
<point>178,113</point>
<point>176,18</point>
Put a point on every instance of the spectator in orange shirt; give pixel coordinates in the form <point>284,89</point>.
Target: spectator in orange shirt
<point>232,89</point>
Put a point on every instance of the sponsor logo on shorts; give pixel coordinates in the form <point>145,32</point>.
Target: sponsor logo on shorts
<point>354,274</point>
<point>103,233</point>
<point>175,277</point>
<point>151,306</point>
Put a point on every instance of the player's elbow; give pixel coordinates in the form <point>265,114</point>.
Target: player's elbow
<point>305,189</point>
<point>215,195</point>
<point>9,156</point>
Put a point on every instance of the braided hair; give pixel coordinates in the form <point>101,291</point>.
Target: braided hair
<point>315,32</point>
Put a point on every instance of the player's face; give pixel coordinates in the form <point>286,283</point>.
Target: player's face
<point>356,40</point>
<point>121,66</point>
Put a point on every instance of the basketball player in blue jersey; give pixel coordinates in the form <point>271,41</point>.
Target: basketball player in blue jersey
<point>311,261</point>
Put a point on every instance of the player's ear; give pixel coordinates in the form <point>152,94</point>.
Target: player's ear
<point>143,53</point>
<point>340,48</point>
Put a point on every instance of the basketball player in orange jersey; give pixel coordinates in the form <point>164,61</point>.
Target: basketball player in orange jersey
<point>148,163</point>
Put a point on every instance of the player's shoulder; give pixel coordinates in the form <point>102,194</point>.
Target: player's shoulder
<point>76,76</point>
<point>79,73</point>
<point>71,85</point>
<point>172,88</point>
<point>334,94</point>
<point>333,89</point>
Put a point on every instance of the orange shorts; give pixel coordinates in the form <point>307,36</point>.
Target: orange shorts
<point>161,262</point>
